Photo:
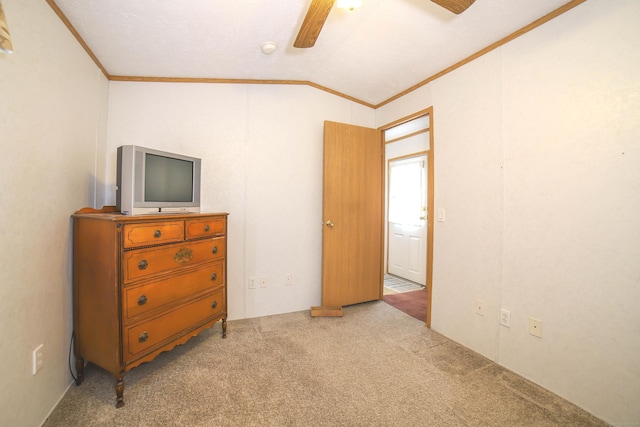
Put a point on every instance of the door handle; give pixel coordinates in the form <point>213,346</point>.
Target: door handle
<point>329,224</point>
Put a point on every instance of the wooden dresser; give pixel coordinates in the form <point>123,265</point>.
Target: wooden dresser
<point>144,284</point>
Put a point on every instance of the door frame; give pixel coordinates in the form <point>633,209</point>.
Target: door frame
<point>430,200</point>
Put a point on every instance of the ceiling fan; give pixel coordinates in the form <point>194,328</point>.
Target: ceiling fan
<point>319,11</point>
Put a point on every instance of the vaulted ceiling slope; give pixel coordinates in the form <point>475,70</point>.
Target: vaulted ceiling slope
<point>371,54</point>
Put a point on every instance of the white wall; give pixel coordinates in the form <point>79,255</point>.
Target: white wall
<point>261,150</point>
<point>52,111</point>
<point>537,162</point>
<point>572,193</point>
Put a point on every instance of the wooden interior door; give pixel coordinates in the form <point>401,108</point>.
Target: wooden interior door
<point>352,244</point>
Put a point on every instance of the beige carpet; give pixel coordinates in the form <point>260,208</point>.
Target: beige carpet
<point>376,366</point>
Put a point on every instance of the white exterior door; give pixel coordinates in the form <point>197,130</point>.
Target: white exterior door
<point>407,250</point>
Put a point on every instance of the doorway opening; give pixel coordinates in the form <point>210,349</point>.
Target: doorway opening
<point>408,245</point>
<point>407,218</point>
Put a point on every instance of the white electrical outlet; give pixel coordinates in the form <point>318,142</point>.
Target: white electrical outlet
<point>480,307</point>
<point>287,279</point>
<point>535,327</point>
<point>252,282</point>
<point>505,318</point>
<point>263,282</point>
<point>38,359</point>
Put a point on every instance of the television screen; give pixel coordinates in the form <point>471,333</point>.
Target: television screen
<point>167,179</point>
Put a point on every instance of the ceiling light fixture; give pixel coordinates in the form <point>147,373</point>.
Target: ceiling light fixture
<point>349,4</point>
<point>269,47</point>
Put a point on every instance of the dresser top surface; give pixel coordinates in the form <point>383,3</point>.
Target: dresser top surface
<point>118,217</point>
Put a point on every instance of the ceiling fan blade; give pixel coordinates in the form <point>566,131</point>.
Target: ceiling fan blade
<point>455,6</point>
<point>313,22</point>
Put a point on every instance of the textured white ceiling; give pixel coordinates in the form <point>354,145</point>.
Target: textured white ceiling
<point>371,53</point>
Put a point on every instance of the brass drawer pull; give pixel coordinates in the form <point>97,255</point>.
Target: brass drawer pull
<point>142,300</point>
<point>142,265</point>
<point>206,228</point>
<point>157,234</point>
<point>214,276</point>
<point>215,250</point>
<point>143,337</point>
<point>215,304</point>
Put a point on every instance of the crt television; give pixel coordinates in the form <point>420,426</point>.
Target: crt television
<point>151,181</point>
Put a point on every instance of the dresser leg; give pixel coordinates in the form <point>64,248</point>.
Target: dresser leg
<point>224,327</point>
<point>119,392</point>
<point>79,370</point>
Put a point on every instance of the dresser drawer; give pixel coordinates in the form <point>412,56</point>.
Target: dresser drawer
<point>209,227</point>
<point>149,261</point>
<point>152,233</point>
<point>142,299</point>
<point>145,336</point>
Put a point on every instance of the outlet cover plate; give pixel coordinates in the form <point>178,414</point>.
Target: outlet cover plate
<point>38,359</point>
<point>480,307</point>
<point>505,318</point>
<point>535,327</point>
